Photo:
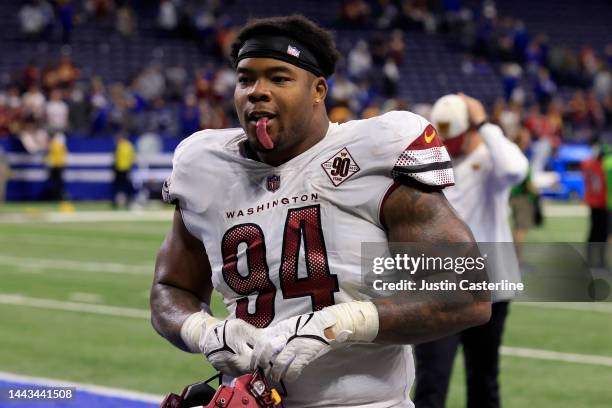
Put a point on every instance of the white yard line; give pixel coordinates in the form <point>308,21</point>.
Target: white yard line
<point>85,297</point>
<point>79,307</point>
<point>75,241</point>
<point>91,388</point>
<point>85,216</point>
<point>78,266</point>
<point>570,210</point>
<point>585,306</point>
<point>556,356</point>
<point>19,300</point>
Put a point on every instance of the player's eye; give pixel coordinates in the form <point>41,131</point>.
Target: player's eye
<point>244,80</point>
<point>280,79</point>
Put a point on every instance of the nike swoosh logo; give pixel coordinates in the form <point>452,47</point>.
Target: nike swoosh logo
<point>430,137</point>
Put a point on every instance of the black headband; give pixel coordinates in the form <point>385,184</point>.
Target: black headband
<point>281,48</point>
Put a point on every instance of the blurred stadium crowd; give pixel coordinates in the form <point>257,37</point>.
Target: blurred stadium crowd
<point>545,92</point>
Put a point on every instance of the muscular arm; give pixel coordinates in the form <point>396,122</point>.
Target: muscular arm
<point>181,285</point>
<point>414,215</point>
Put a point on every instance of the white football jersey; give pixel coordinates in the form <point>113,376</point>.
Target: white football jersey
<point>284,241</point>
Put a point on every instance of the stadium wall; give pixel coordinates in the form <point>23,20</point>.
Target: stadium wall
<point>88,174</point>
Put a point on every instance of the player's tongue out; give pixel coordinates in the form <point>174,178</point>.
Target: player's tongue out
<point>262,133</point>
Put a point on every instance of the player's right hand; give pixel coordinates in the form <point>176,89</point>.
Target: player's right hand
<point>228,345</point>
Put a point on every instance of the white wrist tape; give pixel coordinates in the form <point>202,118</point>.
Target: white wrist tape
<point>192,329</point>
<point>355,321</point>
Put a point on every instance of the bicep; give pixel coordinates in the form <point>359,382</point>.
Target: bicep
<point>182,261</point>
<point>416,213</point>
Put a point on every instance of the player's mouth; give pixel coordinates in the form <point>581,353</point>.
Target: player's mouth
<point>260,127</point>
<point>256,115</point>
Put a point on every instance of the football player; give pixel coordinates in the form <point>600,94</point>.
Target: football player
<point>272,216</point>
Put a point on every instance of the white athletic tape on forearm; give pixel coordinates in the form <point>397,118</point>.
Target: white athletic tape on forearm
<point>358,318</point>
<point>192,328</point>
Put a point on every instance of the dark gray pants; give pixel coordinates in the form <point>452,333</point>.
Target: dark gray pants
<point>434,363</point>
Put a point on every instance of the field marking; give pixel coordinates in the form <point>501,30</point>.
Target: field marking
<point>79,307</point>
<point>80,242</point>
<point>556,356</point>
<point>85,297</point>
<point>570,210</point>
<point>91,388</point>
<point>583,306</point>
<point>79,266</point>
<point>85,216</point>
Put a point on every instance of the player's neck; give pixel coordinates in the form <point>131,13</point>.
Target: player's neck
<point>312,136</point>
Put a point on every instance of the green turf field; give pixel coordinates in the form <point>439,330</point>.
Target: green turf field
<point>74,300</point>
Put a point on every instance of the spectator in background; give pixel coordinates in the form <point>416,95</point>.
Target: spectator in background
<point>34,103</point>
<point>151,83</point>
<point>544,88</point>
<point>56,112</point>
<point>359,60</point>
<point>99,9</point>
<point>162,118</point>
<point>30,75</point>
<point>10,111</point>
<point>66,72</point>
<point>340,114</point>
<point>226,33</point>
<point>167,17</point>
<point>78,109</point>
<point>523,197</point>
<point>343,91</point>
<point>5,116</point>
<point>595,197</point>
<point>542,145</point>
<point>391,78</point>
<point>36,19</point>
<point>397,47</point>
<point>65,11</point>
<point>98,104</point>
<point>56,161</point>
<point>189,115</point>
<point>224,82</point>
<point>212,116</point>
<point>176,79</point>
<point>33,136</point>
<point>607,169</point>
<point>125,21</point>
<point>119,109</point>
<point>125,157</point>
<point>5,173</point>
<point>355,13</point>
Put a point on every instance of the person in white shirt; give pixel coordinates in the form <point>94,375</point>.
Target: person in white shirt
<point>57,112</point>
<point>486,166</point>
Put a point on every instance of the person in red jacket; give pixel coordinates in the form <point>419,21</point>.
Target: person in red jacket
<point>595,197</point>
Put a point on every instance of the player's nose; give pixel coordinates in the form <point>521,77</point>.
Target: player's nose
<point>259,92</point>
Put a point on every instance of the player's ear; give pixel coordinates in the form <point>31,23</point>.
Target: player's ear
<point>320,89</point>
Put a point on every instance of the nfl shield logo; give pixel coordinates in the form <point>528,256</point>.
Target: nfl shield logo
<point>273,183</point>
<point>291,50</point>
